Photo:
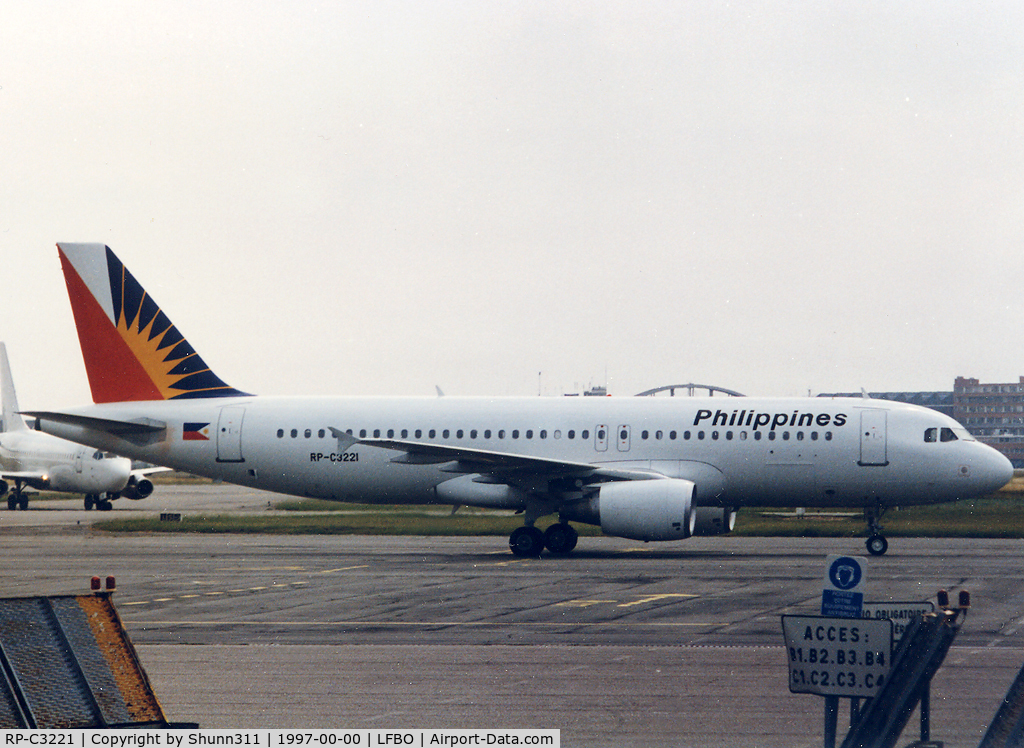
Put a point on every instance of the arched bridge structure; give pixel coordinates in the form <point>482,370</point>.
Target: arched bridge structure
<point>690,389</point>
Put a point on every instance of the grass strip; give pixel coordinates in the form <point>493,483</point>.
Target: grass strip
<point>999,516</point>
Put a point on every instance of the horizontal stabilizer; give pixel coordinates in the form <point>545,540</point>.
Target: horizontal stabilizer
<point>140,431</point>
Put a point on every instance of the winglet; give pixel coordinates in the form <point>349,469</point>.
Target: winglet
<point>12,420</point>
<point>131,349</point>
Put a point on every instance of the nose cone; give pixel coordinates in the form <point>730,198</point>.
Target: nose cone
<point>116,471</point>
<point>993,471</point>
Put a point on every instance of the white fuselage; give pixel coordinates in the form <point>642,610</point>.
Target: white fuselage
<point>738,451</point>
<point>46,462</point>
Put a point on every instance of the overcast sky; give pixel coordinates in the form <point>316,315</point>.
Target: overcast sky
<point>506,198</point>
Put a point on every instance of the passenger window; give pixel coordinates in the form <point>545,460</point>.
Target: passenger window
<point>280,433</point>
<point>529,433</point>
<point>571,434</point>
<point>376,433</point>
<point>931,435</point>
<point>405,433</point>
<point>643,434</point>
<point>501,434</point>
<point>295,433</point>
<point>433,433</point>
<point>947,435</point>
<point>487,433</point>
<point>419,433</point>
<point>321,433</point>
<point>308,433</point>
<point>672,435</point>
<point>543,434</point>
<point>445,433</point>
<point>728,435</point>
<point>799,436</point>
<point>515,433</point>
<point>700,434</point>
<point>585,434</point>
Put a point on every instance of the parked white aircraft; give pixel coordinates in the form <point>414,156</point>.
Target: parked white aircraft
<point>47,463</point>
<point>644,468</point>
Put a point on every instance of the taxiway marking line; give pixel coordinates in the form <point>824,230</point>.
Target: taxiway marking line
<point>410,624</point>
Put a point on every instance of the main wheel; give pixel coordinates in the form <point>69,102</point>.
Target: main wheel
<point>12,502</point>
<point>560,538</point>
<point>90,501</point>
<point>526,542</point>
<point>877,545</point>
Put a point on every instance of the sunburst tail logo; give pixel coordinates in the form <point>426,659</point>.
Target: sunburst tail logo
<point>131,349</point>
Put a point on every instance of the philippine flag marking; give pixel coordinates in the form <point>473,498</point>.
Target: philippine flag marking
<point>196,432</point>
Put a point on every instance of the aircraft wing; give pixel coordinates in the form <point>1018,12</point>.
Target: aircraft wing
<point>501,467</point>
<point>35,479</point>
<point>25,475</point>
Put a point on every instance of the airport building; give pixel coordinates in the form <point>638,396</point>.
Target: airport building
<point>994,413</point>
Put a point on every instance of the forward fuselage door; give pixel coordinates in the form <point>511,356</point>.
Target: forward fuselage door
<point>229,434</point>
<point>873,437</point>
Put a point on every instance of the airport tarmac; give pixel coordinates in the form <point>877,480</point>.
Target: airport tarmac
<point>620,644</point>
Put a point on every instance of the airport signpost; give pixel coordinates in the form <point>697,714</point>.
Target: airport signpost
<point>842,593</point>
<point>837,656</point>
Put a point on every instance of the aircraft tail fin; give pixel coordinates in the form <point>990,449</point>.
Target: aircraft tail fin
<point>12,420</point>
<point>131,349</point>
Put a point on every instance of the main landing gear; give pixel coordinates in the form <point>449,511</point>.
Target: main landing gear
<point>101,504</point>
<point>528,541</point>
<point>17,499</point>
<point>876,543</point>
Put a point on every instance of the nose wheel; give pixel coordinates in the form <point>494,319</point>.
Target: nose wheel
<point>876,543</point>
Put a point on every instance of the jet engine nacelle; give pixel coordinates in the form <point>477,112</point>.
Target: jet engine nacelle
<point>659,509</point>
<point>713,520</point>
<point>137,488</point>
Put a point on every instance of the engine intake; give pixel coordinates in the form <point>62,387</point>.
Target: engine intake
<point>659,509</point>
<point>137,488</point>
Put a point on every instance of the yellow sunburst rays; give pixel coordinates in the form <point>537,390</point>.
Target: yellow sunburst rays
<point>146,351</point>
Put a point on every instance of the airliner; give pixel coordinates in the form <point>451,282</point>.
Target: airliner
<point>645,468</point>
<point>44,462</point>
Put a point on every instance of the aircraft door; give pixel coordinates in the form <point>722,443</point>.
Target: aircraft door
<point>873,437</point>
<point>601,438</point>
<point>229,434</point>
<point>622,438</point>
<point>78,461</point>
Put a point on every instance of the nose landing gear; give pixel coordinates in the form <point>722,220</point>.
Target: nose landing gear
<point>876,543</point>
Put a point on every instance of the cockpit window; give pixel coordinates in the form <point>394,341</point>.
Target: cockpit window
<point>97,455</point>
<point>947,434</point>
